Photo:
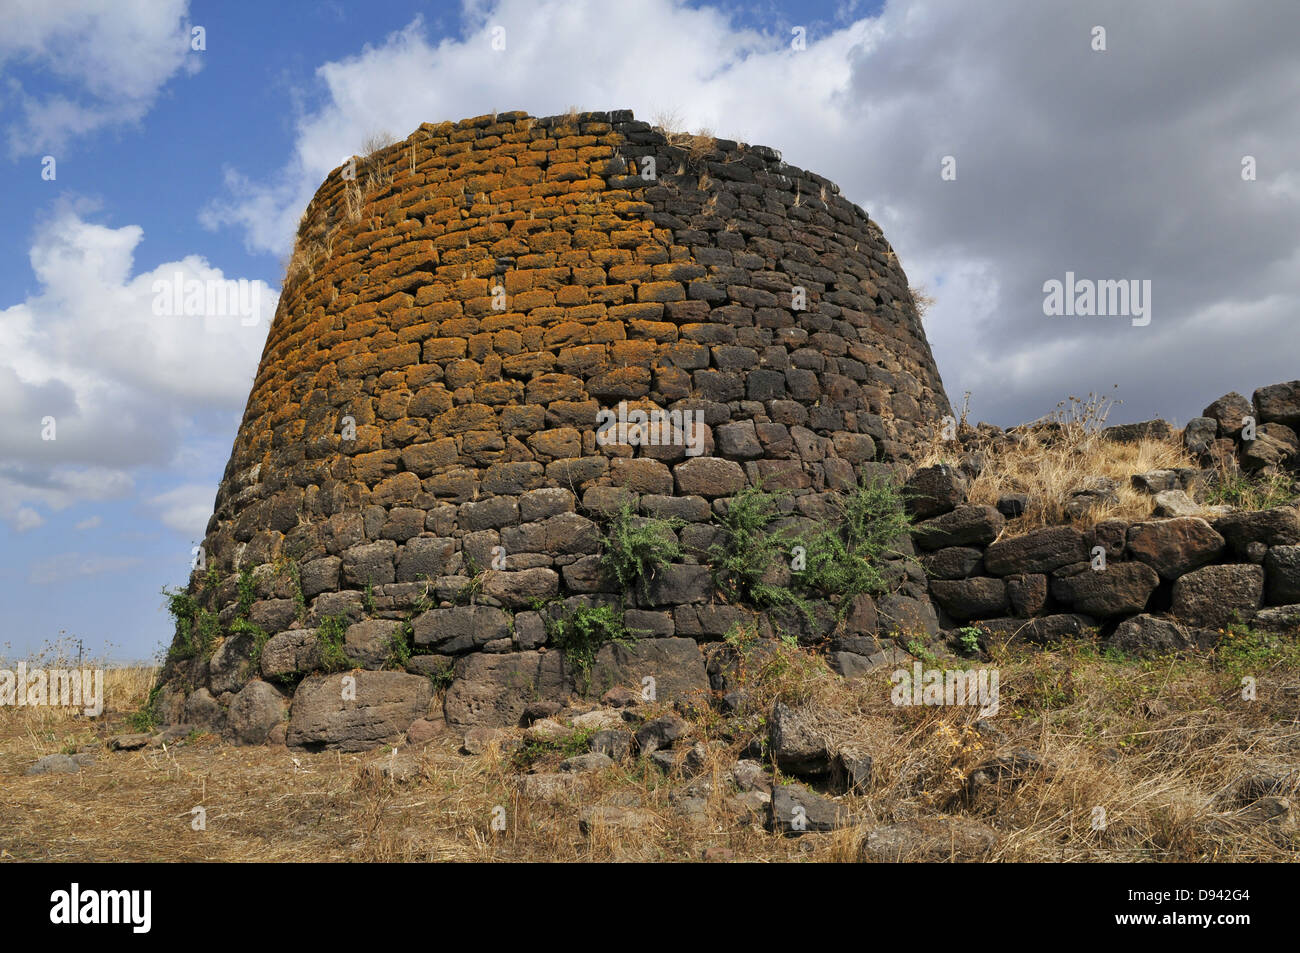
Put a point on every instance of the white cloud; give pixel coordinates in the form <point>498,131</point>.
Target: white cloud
<point>123,385</point>
<point>111,60</point>
<point>186,508</point>
<point>91,522</point>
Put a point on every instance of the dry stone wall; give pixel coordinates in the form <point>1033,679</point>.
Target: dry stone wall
<point>461,308</point>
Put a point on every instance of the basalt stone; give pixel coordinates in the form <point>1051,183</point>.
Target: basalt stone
<point>932,491</point>
<point>1043,630</point>
<point>966,525</point>
<point>1199,434</point>
<point>255,711</point>
<point>1149,635</point>
<point>1273,445</point>
<point>289,653</point>
<point>1143,430</point>
<point>977,597</point>
<point>1119,589</point>
<point>1027,594</point>
<point>1282,572</point>
<point>1042,550</point>
<point>1213,596</point>
<point>370,642</point>
<point>357,710</point>
<point>1173,547</point>
<point>494,690</point>
<point>457,629</point>
<point>905,615</point>
<point>675,666</point>
<point>1229,413</point>
<point>1279,526</point>
<point>955,562</point>
<point>1279,403</point>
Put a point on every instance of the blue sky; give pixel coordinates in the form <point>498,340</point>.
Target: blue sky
<point>1118,163</point>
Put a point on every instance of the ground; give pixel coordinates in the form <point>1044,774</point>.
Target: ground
<point>1184,767</point>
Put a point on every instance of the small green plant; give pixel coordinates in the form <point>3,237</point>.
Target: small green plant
<point>196,629</point>
<point>399,645</point>
<point>844,556</point>
<point>442,678</point>
<point>568,746</point>
<point>247,592</point>
<point>1250,493</point>
<point>260,638</point>
<point>368,599</point>
<point>1243,651</point>
<point>748,548</point>
<point>581,633</point>
<point>146,718</point>
<point>469,592</point>
<point>638,547</point>
<point>968,639</point>
<point>331,634</point>
<point>918,649</point>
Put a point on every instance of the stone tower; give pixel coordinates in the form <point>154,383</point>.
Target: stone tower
<point>466,312</point>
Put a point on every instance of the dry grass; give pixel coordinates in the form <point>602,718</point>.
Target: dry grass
<point>1162,746</point>
<point>1061,453</point>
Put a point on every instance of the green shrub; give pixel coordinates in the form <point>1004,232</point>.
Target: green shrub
<point>399,646</point>
<point>844,557</point>
<point>247,594</point>
<point>581,633</point>
<point>330,636</point>
<point>748,549</point>
<point>636,548</point>
<point>196,629</point>
<point>260,638</point>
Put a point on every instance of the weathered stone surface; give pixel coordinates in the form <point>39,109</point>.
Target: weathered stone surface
<point>1119,589</point>
<point>795,810</point>
<point>974,598</point>
<point>1174,546</point>
<point>370,643</point>
<point>1279,403</point>
<point>458,629</point>
<point>1044,630</point>
<point>902,614</point>
<point>675,665</point>
<point>1279,526</point>
<point>1282,572</point>
<point>1213,595</point>
<point>954,562</point>
<point>966,525</point>
<point>798,746</point>
<point>494,690</point>
<point>933,491</point>
<point>1039,551</point>
<point>253,712</point>
<point>229,667</point>
<point>1027,594</point>
<point>290,653</point>
<point>324,714</point>
<point>1149,635</point>
<point>1273,445</point>
<point>1229,412</point>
